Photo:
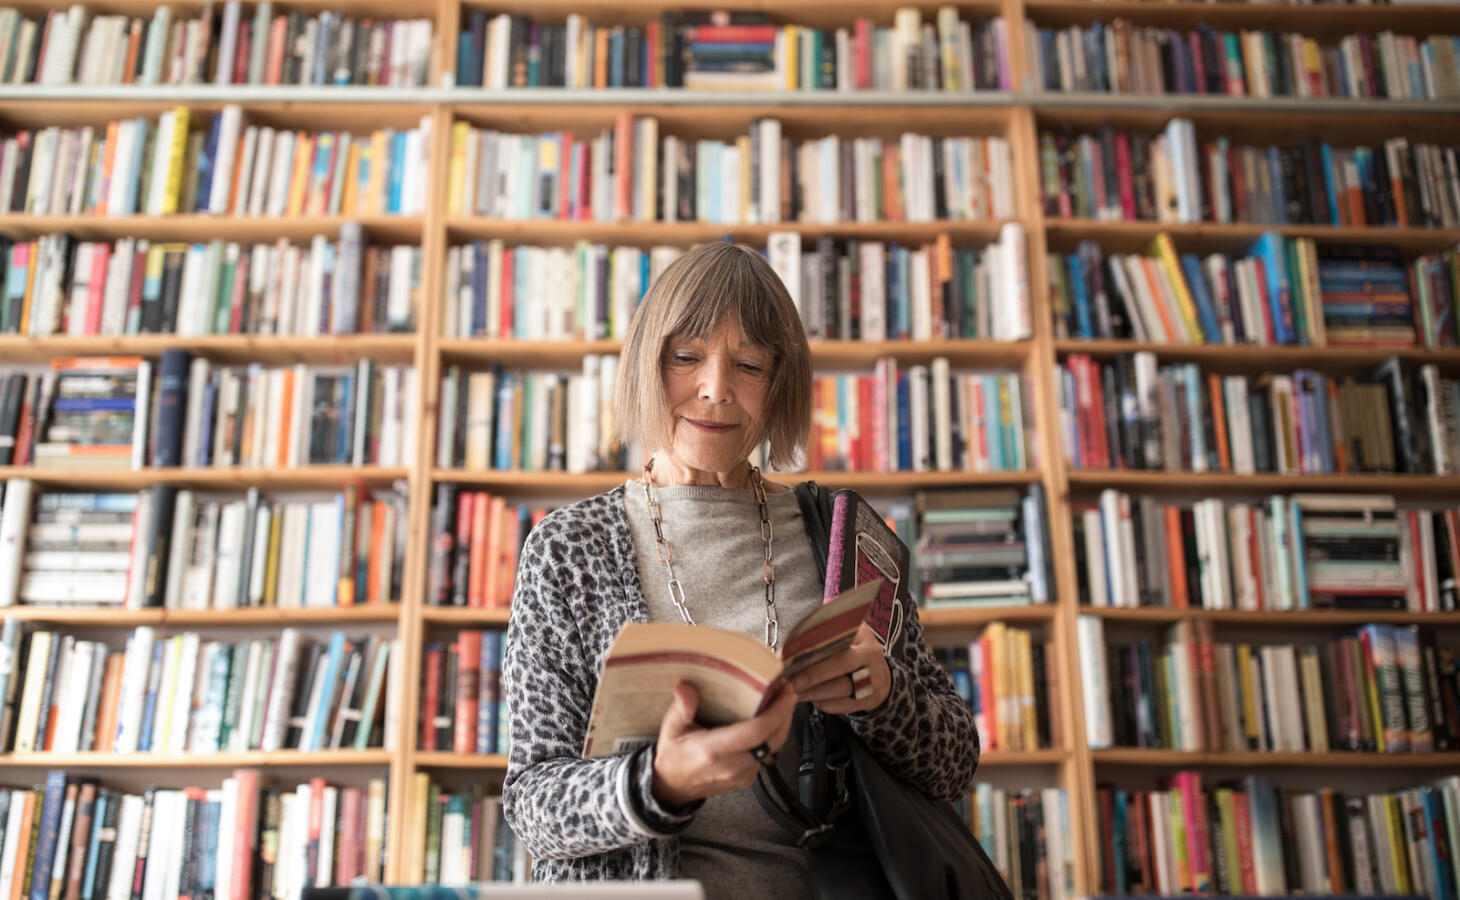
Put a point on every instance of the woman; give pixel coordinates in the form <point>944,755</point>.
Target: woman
<point>715,362</point>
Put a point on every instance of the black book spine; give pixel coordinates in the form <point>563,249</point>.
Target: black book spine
<point>443,543</point>
<point>1111,415</point>
<point>940,179</point>
<point>172,406</point>
<point>1430,669</point>
<point>159,544</point>
<point>26,146</point>
<point>299,702</point>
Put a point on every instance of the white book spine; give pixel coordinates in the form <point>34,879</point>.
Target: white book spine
<point>14,519</point>
<point>136,663</point>
<point>124,861</point>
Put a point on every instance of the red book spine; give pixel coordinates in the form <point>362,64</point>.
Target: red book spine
<point>566,145</point>
<point>1125,178</point>
<point>246,831</point>
<point>101,255</point>
<point>430,695</point>
<point>468,691</point>
<point>1243,810</point>
<point>730,34</point>
<point>862,50</point>
<point>347,855</point>
<point>477,577</point>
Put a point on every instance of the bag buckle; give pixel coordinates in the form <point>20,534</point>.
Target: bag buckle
<point>813,836</point>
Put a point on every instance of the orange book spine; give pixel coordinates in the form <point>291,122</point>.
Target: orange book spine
<point>113,133</point>
<point>511,540</point>
<point>374,576</point>
<point>22,847</point>
<point>477,576</point>
<point>1176,557</point>
<point>286,417</point>
<point>1219,420</point>
<point>1254,549</point>
<point>892,183</point>
<point>600,58</point>
<point>490,594</point>
<point>623,169</point>
<point>134,45</point>
<point>275,68</point>
<point>111,696</point>
<point>299,177</point>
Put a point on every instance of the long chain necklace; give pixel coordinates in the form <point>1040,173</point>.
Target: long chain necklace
<point>768,566</point>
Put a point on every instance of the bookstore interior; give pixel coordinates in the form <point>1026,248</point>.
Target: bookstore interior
<point>1137,321</point>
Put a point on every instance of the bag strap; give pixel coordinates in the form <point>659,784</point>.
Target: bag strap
<point>775,796</point>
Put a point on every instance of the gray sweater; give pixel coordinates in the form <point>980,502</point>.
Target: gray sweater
<point>577,584</point>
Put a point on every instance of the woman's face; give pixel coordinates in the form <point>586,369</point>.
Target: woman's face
<point>716,390</point>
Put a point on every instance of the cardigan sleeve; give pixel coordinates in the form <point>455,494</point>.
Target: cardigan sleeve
<point>560,805</point>
<point>923,732</point>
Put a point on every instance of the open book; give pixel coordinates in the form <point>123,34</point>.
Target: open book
<point>736,675</point>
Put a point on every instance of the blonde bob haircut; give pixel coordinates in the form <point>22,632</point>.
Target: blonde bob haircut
<point>687,301</point>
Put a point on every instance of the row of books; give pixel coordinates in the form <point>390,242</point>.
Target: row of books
<point>221,46</point>
<point>848,290</point>
<point>982,547</point>
<point>630,171</point>
<point>1284,290</point>
<point>175,549</point>
<point>868,290</point>
<point>462,707</point>
<point>224,167</point>
<point>530,421</point>
<point>1384,688</point>
<point>922,418</point>
<point>119,413</point>
<point>1027,835</point>
<point>73,837</point>
<point>184,694</point>
<point>1128,413</point>
<point>1288,552</point>
<point>56,284</point>
<point>1120,57</point>
<point>1173,177</point>
<point>1003,676</point>
<point>465,838</point>
<point>1249,837</point>
<point>475,542</point>
<point>740,50</point>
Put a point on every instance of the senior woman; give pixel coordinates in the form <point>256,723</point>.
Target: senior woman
<point>715,362</point>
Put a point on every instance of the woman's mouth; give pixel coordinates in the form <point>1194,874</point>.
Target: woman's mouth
<point>716,427</point>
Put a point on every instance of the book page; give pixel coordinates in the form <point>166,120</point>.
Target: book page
<point>733,674</point>
<point>827,629</point>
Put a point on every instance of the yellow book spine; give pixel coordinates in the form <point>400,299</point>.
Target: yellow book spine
<point>352,173</point>
<point>1249,694</point>
<point>176,156</point>
<point>793,46</point>
<point>374,202</point>
<point>1177,824</point>
<point>1028,716</point>
<point>416,860</point>
<point>1397,851</point>
<point>1376,714</point>
<point>1164,253</point>
<point>299,178</point>
<point>25,303</point>
<point>271,566</point>
<point>999,650</point>
<point>456,178</point>
<point>1312,58</point>
<point>1308,263</point>
<point>1227,811</point>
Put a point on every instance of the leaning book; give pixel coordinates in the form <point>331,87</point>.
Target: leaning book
<point>736,675</point>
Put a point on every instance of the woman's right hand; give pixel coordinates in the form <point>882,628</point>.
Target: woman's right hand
<point>692,762</point>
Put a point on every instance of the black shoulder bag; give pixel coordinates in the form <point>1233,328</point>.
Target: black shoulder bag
<point>865,833</point>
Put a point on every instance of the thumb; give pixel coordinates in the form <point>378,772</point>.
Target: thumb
<point>680,717</point>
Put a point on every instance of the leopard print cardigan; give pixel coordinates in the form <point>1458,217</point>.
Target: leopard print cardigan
<point>577,584</point>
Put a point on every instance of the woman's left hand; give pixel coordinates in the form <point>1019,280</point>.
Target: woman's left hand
<point>829,683</point>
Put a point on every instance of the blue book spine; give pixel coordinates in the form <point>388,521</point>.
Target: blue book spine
<point>45,850</point>
<point>616,58</point>
<point>504,415</point>
<point>479,282</point>
<point>88,502</point>
<point>1434,811</point>
<point>1079,289</point>
<point>94,404</point>
<point>504,730</point>
<point>904,425</point>
<point>1300,572</point>
<point>149,706</point>
<point>343,440</point>
<point>205,444</point>
<point>491,675</point>
<point>397,170</point>
<point>208,860</point>
<point>1330,188</point>
<point>333,653</point>
<point>1270,250</point>
<point>1279,198</point>
<point>1205,309</point>
<point>172,406</point>
<point>205,165</point>
<point>1118,835</point>
<point>465,56</point>
<point>88,879</point>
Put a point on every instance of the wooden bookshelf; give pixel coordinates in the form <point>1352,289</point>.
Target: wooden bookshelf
<point>1180,759</point>
<point>1018,115</point>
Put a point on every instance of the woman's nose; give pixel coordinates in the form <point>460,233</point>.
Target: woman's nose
<point>715,381</point>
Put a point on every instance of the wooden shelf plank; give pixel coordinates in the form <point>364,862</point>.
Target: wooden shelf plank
<point>1023,757</point>
<point>554,231</point>
<point>824,354</point>
<point>1132,236</point>
<point>217,479</point>
<point>456,615</point>
<point>328,758</point>
<point>1265,482</point>
<point>1254,358</point>
<point>221,348</point>
<point>593,482</point>
<point>445,759</point>
<point>951,617</point>
<point>1323,18</point>
<point>1183,759</point>
<point>204,617</point>
<point>1276,619</point>
<point>1189,104</point>
<point>191,228</point>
